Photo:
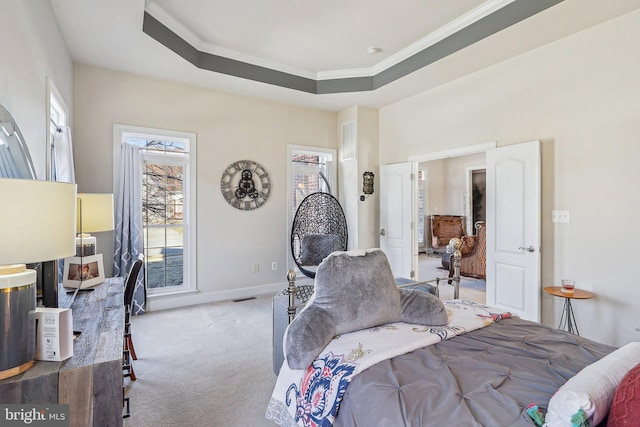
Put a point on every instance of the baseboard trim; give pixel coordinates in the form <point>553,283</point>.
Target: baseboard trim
<point>166,302</point>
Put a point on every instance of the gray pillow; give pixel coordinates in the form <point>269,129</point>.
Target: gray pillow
<point>422,308</point>
<point>353,291</point>
<point>315,247</point>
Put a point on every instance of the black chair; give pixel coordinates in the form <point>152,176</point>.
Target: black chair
<point>319,227</point>
<point>129,351</point>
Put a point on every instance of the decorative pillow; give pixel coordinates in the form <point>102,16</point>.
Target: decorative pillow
<point>625,408</point>
<point>591,390</point>
<point>422,308</point>
<point>355,290</point>
<point>426,287</point>
<point>468,245</point>
<point>315,247</point>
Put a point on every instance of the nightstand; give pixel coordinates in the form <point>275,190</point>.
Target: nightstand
<point>567,319</point>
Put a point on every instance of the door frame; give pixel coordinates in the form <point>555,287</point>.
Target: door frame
<point>437,155</point>
<point>453,152</point>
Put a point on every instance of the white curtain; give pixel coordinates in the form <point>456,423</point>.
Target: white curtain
<point>128,234</point>
<point>62,152</point>
<point>62,169</point>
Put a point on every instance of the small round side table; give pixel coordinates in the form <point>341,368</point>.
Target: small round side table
<point>567,319</point>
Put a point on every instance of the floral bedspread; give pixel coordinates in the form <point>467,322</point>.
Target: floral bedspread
<point>311,397</point>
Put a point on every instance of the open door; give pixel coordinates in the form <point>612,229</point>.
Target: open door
<point>513,229</point>
<point>396,218</point>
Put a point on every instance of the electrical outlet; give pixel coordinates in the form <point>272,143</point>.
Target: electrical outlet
<point>274,265</point>
<point>560,216</point>
<point>638,330</point>
<point>256,268</point>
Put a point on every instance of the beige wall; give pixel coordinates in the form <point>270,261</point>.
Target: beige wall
<point>368,147</point>
<point>362,216</point>
<point>228,128</point>
<point>32,51</point>
<point>446,184</point>
<point>581,97</point>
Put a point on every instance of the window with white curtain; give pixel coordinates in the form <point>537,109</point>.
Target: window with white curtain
<point>57,113</point>
<point>168,208</point>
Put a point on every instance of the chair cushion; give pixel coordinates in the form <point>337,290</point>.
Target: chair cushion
<point>315,247</point>
<point>353,291</point>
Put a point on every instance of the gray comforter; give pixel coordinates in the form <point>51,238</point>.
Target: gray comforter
<point>485,377</point>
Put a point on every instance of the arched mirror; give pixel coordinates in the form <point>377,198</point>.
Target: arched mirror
<point>15,161</point>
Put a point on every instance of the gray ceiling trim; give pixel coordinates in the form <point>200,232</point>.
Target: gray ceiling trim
<point>497,21</point>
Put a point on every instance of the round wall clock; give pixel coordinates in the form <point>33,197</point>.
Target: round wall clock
<point>245,185</point>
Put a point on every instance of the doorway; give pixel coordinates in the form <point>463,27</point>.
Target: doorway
<point>451,186</point>
<point>445,186</point>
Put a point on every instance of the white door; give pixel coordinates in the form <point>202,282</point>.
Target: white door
<point>513,229</point>
<point>396,218</point>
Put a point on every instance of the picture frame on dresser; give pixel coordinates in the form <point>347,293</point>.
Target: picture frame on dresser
<point>83,272</point>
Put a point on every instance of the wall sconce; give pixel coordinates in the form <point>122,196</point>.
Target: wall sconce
<point>367,185</point>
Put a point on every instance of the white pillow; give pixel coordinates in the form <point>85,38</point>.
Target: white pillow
<point>592,388</point>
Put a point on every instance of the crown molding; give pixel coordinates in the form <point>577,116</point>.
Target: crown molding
<point>479,23</point>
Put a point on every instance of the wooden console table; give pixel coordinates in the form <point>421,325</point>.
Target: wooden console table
<point>91,381</point>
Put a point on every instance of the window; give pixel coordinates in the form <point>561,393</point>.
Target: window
<point>168,208</point>
<point>310,169</point>
<point>57,115</point>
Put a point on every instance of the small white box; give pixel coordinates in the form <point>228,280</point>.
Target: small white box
<point>54,334</point>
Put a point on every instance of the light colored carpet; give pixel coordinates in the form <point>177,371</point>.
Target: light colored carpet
<point>207,365</point>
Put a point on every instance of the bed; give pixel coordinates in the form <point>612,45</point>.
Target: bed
<point>486,377</point>
<point>481,368</point>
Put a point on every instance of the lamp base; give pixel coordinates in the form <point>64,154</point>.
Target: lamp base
<point>18,321</point>
<point>16,370</point>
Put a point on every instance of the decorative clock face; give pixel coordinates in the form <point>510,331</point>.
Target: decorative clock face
<point>245,185</point>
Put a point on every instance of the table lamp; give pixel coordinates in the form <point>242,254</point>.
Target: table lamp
<point>37,223</point>
<point>95,214</point>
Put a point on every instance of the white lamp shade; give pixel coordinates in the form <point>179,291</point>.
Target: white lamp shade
<point>37,220</point>
<point>95,212</point>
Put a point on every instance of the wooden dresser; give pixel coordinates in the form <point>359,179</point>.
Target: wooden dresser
<point>91,381</point>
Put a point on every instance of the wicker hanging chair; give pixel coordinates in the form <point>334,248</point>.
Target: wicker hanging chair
<point>319,228</point>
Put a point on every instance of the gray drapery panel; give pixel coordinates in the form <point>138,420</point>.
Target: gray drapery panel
<point>128,234</point>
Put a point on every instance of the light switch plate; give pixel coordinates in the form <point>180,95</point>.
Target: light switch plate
<point>560,216</point>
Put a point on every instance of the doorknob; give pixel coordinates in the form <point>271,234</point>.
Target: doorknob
<point>382,232</point>
<point>529,249</point>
